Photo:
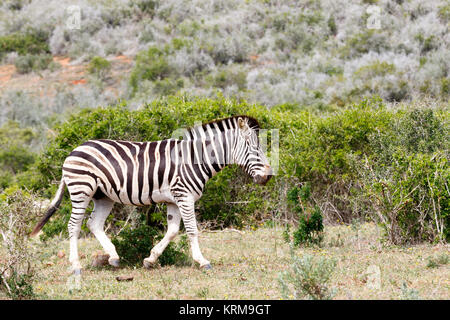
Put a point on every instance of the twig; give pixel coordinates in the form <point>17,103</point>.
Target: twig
<point>224,230</point>
<point>237,202</point>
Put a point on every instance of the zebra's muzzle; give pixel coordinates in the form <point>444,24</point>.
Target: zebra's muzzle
<point>263,179</point>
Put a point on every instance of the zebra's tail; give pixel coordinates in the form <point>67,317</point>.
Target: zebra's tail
<point>53,207</point>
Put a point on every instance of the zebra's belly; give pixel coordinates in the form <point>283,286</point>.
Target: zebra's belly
<point>158,196</point>
<point>162,196</point>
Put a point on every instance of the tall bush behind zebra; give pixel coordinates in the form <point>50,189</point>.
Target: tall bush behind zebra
<point>171,171</point>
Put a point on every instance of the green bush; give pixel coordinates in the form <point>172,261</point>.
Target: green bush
<point>310,226</point>
<point>308,278</point>
<point>320,149</point>
<point>364,42</point>
<point>229,77</point>
<point>99,67</point>
<point>33,62</point>
<point>436,262</point>
<point>16,159</point>
<point>150,65</point>
<point>405,177</point>
<point>31,42</point>
<point>167,86</point>
<point>133,245</point>
<point>15,154</point>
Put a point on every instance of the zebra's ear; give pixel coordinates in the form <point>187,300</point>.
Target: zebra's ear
<point>242,124</point>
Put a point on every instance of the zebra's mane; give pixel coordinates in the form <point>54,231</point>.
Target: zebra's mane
<point>252,123</point>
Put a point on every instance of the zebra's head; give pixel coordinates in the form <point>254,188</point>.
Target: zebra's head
<point>248,152</point>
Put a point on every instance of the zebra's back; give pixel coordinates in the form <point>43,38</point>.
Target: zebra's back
<point>137,173</point>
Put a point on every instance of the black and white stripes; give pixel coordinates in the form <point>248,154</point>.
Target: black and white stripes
<point>171,171</point>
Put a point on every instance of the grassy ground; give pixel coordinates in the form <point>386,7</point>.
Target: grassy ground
<point>247,265</point>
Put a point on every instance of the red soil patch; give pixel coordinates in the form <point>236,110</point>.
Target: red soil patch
<point>123,59</point>
<point>81,81</point>
<point>63,61</point>
<point>6,73</point>
<point>45,83</point>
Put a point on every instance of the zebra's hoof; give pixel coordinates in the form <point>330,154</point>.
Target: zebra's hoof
<point>114,262</point>
<point>207,267</point>
<point>148,264</point>
<point>77,272</point>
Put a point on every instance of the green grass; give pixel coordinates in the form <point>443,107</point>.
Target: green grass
<point>247,265</point>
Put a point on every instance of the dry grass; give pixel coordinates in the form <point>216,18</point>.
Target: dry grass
<point>247,265</point>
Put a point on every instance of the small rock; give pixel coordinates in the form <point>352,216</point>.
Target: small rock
<point>124,278</point>
<point>61,254</point>
<point>100,260</point>
<point>49,264</point>
<point>82,256</point>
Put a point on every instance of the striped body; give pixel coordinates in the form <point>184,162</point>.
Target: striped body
<point>141,173</point>
<point>135,173</point>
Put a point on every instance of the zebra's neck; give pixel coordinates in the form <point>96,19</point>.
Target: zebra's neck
<point>217,141</point>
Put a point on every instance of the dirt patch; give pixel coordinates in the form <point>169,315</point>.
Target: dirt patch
<point>68,74</point>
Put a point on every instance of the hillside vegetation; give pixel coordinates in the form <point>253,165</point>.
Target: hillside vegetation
<point>356,92</point>
<point>308,53</point>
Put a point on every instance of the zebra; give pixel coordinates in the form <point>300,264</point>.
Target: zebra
<point>171,171</point>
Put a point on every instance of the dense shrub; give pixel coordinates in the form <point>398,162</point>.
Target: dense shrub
<point>99,67</point>
<point>30,62</point>
<point>406,177</point>
<point>15,152</point>
<point>30,42</point>
<point>323,146</point>
<point>150,65</point>
<point>18,211</point>
<point>310,226</point>
<point>133,245</point>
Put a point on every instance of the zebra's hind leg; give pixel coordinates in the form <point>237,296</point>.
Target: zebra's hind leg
<point>74,227</point>
<point>173,226</point>
<point>96,222</point>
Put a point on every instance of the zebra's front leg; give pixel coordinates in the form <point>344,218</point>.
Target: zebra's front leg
<point>187,211</point>
<point>173,226</point>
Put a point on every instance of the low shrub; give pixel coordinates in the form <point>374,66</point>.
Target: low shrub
<point>409,293</point>
<point>18,212</point>
<point>436,262</point>
<point>99,67</point>
<point>31,62</point>
<point>167,86</point>
<point>308,278</point>
<point>310,226</point>
<point>150,65</point>
<point>33,42</point>
<point>133,245</point>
